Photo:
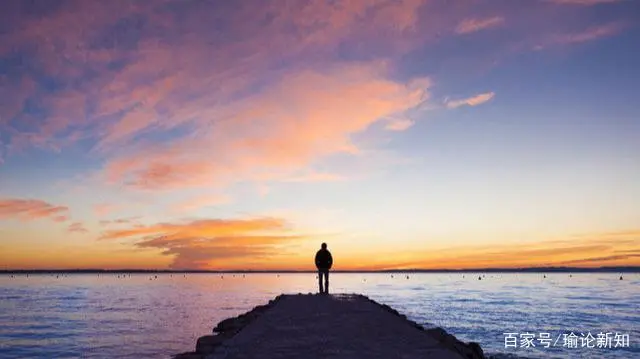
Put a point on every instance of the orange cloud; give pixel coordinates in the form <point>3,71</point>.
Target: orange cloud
<point>592,250</point>
<point>77,227</point>
<point>471,101</point>
<point>202,201</point>
<point>199,243</point>
<point>468,26</point>
<point>261,138</point>
<point>30,209</point>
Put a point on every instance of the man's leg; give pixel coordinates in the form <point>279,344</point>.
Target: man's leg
<point>320,281</point>
<point>326,281</point>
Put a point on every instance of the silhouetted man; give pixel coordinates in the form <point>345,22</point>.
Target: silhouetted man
<point>324,261</point>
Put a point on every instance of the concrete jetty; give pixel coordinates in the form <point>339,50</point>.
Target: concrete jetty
<point>327,326</point>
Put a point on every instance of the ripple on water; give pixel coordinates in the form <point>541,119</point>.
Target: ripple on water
<point>85,317</point>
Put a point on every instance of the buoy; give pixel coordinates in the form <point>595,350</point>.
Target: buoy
<point>479,278</point>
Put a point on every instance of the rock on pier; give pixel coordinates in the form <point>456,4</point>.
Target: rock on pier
<point>327,326</point>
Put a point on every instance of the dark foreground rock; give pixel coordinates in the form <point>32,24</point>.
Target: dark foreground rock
<point>327,326</point>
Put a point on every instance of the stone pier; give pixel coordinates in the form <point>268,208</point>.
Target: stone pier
<point>327,326</point>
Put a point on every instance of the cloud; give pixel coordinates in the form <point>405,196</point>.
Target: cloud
<point>590,34</point>
<point>126,220</point>
<point>31,209</point>
<point>112,72</point>
<point>77,227</point>
<point>137,79</point>
<point>260,137</point>
<point>468,26</point>
<point>399,124</point>
<point>316,177</point>
<point>600,261</point>
<point>103,209</point>
<point>201,201</point>
<point>583,2</point>
<point>210,242</point>
<point>586,250</point>
<point>471,101</point>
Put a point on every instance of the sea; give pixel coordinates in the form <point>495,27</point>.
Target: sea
<point>156,315</point>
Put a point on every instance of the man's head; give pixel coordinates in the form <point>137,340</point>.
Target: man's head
<point>324,246</point>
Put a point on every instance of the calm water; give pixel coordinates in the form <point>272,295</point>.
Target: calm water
<point>86,315</point>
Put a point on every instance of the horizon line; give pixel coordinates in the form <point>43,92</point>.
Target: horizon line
<point>409,270</point>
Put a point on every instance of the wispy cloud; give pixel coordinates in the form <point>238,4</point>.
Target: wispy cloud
<point>103,209</point>
<point>468,26</point>
<point>399,124</point>
<point>316,177</point>
<point>138,81</point>
<point>125,220</point>
<point>202,201</point>
<point>30,209</point>
<point>77,227</point>
<point>583,2</point>
<point>261,138</point>
<point>471,101</point>
<point>206,243</point>
<point>590,34</point>
<point>589,250</point>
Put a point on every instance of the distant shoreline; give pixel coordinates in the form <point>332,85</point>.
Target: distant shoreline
<point>627,269</point>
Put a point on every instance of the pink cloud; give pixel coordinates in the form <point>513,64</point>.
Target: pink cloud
<point>145,78</point>
<point>77,227</point>
<point>260,138</point>
<point>471,101</point>
<point>103,209</point>
<point>155,80</point>
<point>468,26</point>
<point>31,209</point>
<point>126,220</point>
<point>201,201</point>
<point>60,218</point>
<point>316,177</point>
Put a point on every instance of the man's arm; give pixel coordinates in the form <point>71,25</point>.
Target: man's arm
<point>317,260</point>
<point>330,259</point>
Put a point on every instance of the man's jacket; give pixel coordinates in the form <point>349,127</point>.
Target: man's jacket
<point>324,259</point>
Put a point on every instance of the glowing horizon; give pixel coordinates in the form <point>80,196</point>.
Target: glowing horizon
<point>404,133</point>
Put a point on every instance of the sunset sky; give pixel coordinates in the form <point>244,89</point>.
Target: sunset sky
<point>242,134</point>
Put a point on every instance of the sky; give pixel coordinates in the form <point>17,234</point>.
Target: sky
<point>242,134</point>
